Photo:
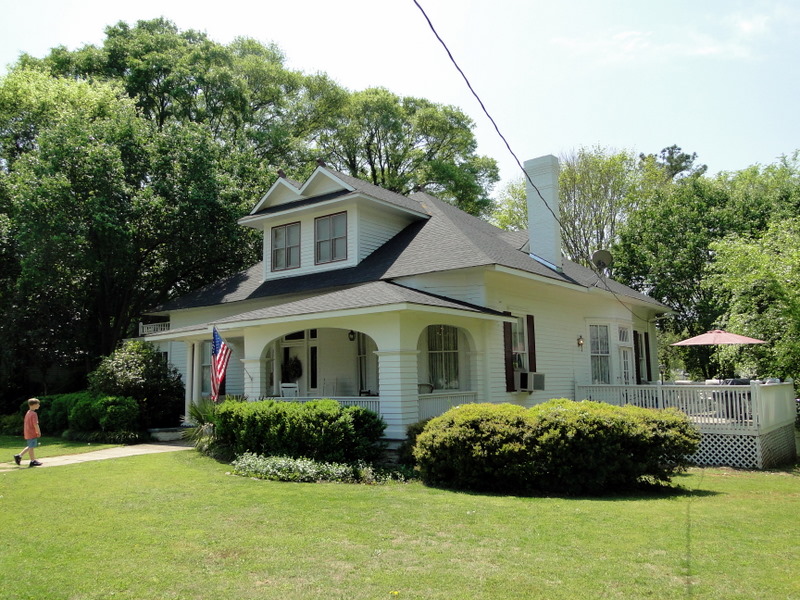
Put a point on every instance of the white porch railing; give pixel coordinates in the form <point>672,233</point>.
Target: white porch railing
<point>150,328</point>
<point>714,408</point>
<point>372,403</point>
<point>430,405</point>
<point>437,403</point>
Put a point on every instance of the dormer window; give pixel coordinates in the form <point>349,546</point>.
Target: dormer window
<point>330,233</point>
<point>286,247</point>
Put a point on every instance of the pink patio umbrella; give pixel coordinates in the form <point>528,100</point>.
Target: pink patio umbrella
<point>717,336</point>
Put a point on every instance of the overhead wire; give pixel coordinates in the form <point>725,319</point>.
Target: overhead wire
<point>508,146</point>
<point>486,112</point>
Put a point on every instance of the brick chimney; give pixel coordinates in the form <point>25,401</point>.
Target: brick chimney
<point>544,229</point>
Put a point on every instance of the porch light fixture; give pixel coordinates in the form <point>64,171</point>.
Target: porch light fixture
<point>580,342</point>
<point>351,335</point>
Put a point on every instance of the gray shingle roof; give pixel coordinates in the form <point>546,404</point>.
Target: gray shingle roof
<point>367,295</point>
<point>450,239</point>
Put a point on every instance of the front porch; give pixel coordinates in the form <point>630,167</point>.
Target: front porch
<point>428,405</point>
<point>742,426</point>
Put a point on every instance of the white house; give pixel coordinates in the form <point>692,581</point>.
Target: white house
<point>407,305</point>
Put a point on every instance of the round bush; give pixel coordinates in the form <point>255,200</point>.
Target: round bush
<point>557,447</point>
<point>483,447</point>
<point>137,370</point>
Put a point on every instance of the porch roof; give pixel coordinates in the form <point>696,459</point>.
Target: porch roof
<point>372,296</point>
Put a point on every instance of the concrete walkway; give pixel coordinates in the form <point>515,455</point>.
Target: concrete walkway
<point>120,452</point>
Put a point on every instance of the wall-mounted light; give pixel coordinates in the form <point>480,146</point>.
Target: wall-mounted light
<point>351,335</point>
<point>580,342</point>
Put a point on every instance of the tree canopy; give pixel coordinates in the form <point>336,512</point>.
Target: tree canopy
<point>124,167</point>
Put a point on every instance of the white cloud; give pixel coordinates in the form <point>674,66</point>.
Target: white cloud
<point>732,36</point>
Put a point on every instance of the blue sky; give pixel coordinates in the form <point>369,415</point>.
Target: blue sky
<point>716,77</point>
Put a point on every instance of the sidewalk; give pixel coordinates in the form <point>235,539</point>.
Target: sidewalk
<point>121,452</point>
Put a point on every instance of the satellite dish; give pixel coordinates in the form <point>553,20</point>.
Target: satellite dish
<point>602,259</point>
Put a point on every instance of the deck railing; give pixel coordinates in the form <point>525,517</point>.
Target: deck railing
<point>714,408</point>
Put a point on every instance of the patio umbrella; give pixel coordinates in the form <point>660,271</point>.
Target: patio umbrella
<point>717,336</point>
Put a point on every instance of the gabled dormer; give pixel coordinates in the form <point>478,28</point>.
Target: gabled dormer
<point>331,221</point>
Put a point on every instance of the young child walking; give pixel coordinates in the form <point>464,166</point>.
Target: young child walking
<point>32,433</point>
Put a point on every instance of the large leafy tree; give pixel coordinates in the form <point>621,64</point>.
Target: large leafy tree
<point>409,144</point>
<point>760,275</point>
<point>108,215</point>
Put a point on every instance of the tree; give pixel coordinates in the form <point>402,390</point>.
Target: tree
<point>599,189</point>
<point>760,275</point>
<point>511,206</point>
<point>409,144</point>
<point>664,250</point>
<point>674,163</point>
<point>109,216</point>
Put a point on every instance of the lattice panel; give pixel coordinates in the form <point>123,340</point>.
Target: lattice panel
<point>718,449</point>
<point>747,451</point>
<point>778,447</point>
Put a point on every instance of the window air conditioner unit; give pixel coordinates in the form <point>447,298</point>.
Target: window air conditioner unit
<point>528,382</point>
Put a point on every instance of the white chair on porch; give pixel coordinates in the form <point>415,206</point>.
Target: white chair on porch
<point>329,388</point>
<point>289,390</point>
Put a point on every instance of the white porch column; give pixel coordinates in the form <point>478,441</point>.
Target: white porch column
<point>189,381</point>
<point>253,379</point>
<point>397,374</point>
<point>197,371</point>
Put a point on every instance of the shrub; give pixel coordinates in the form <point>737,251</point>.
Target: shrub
<point>479,447</point>
<point>83,416</point>
<point>322,430</point>
<point>11,424</point>
<point>557,447</point>
<point>306,470</point>
<point>593,447</point>
<point>111,419</point>
<point>405,452</point>
<point>138,371</point>
<point>54,413</point>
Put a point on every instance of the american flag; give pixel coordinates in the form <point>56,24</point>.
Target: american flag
<point>220,354</point>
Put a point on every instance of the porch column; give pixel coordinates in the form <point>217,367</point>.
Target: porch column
<point>253,379</point>
<point>397,376</point>
<point>189,377</point>
<point>197,371</point>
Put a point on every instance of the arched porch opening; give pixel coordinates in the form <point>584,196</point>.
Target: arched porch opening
<point>446,369</point>
<point>320,363</point>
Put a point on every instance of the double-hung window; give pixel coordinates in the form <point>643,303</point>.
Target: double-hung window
<point>443,357</point>
<point>519,344</point>
<point>600,352</point>
<point>286,247</point>
<point>330,238</point>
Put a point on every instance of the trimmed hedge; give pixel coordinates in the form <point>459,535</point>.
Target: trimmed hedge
<point>558,447</point>
<point>322,430</point>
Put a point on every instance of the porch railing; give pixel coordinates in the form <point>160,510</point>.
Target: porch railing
<point>437,403</point>
<point>714,408</point>
<point>372,403</point>
<point>151,328</point>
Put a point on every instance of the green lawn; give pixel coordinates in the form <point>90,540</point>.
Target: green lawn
<point>49,446</point>
<point>177,525</point>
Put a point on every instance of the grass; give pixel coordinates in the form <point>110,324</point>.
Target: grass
<point>179,526</point>
<point>48,446</point>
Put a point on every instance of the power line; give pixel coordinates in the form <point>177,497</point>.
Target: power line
<point>508,146</point>
<point>486,112</point>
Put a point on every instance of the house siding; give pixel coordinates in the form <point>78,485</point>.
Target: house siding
<point>374,229</point>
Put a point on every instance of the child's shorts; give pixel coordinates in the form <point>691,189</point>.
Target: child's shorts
<point>32,443</point>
